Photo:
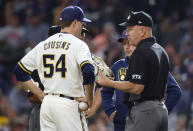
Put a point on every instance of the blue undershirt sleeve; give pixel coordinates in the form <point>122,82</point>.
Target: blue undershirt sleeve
<point>21,75</point>
<point>173,93</point>
<point>107,100</point>
<point>88,74</point>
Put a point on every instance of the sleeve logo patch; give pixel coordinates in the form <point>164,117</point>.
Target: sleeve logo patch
<point>136,76</point>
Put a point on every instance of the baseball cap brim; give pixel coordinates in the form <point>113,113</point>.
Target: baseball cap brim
<point>123,36</point>
<point>85,29</point>
<point>86,20</point>
<point>123,24</point>
<point>120,40</point>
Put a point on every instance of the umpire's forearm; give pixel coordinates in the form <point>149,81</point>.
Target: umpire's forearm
<point>127,86</point>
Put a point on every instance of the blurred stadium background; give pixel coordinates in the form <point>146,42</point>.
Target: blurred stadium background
<point>24,23</point>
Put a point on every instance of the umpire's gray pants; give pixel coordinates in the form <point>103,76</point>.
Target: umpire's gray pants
<point>34,122</point>
<point>148,116</point>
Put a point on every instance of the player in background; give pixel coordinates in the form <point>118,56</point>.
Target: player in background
<point>63,62</point>
<point>34,123</point>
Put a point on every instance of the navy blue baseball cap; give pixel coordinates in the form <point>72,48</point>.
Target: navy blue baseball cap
<point>123,36</point>
<point>71,13</point>
<point>138,18</point>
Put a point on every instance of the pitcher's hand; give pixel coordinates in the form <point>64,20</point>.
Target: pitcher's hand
<point>89,113</point>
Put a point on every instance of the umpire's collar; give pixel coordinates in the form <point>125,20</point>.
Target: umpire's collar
<point>149,40</point>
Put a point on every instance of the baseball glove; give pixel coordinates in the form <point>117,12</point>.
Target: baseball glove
<point>99,64</point>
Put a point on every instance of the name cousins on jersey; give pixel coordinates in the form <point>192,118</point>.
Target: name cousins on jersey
<point>57,45</point>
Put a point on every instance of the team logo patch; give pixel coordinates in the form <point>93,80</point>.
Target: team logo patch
<point>122,74</point>
<point>136,76</point>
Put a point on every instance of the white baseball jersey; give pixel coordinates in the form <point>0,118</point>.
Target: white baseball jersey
<point>58,60</point>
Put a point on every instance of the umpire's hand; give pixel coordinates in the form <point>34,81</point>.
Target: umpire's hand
<point>104,81</point>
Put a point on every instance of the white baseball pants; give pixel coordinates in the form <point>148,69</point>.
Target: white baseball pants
<point>61,114</point>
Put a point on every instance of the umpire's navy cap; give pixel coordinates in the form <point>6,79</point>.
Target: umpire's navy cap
<point>54,29</point>
<point>84,29</point>
<point>123,36</point>
<point>138,18</point>
<point>71,13</point>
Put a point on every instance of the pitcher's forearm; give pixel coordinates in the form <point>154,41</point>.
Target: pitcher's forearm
<point>29,85</point>
<point>89,92</point>
<point>97,100</point>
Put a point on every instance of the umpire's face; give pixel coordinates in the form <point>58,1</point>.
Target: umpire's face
<point>134,34</point>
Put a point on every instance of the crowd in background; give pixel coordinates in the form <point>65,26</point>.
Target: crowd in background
<point>24,23</point>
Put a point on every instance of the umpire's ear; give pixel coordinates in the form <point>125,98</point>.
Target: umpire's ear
<point>54,29</point>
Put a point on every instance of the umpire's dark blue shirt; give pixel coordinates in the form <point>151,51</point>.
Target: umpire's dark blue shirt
<point>149,65</point>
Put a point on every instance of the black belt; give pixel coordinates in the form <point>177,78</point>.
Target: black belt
<point>130,104</point>
<point>134,102</point>
<point>60,95</point>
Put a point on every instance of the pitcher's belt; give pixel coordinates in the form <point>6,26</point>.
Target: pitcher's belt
<point>60,95</point>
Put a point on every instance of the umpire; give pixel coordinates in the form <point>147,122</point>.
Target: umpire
<point>146,78</point>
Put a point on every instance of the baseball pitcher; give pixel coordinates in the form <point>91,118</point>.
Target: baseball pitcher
<point>64,64</point>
